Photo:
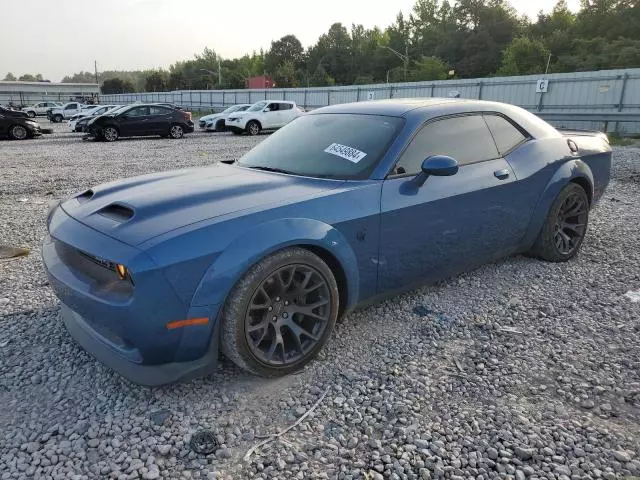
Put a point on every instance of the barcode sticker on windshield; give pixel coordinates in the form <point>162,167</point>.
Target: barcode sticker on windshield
<point>352,154</point>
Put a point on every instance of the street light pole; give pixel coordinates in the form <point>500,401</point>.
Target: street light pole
<point>404,58</point>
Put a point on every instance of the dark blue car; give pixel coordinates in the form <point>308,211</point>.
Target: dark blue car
<point>342,206</point>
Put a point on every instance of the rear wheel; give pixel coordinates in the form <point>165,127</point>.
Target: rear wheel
<point>110,134</point>
<point>18,132</point>
<point>253,128</point>
<point>280,314</point>
<point>565,227</point>
<point>176,131</point>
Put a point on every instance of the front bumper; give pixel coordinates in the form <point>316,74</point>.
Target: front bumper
<point>190,127</point>
<point>34,130</point>
<point>124,325</point>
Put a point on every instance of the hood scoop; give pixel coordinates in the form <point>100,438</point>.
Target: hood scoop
<point>116,212</point>
<point>85,196</point>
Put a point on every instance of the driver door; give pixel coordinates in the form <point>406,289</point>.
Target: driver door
<point>449,224</point>
<point>271,116</point>
<point>134,122</point>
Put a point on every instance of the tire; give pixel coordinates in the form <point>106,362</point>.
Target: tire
<point>275,295</point>
<point>565,226</point>
<point>253,128</point>
<point>18,132</point>
<point>176,131</point>
<point>31,114</point>
<point>110,134</point>
<point>57,118</point>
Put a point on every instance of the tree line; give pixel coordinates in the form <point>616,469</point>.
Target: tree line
<point>439,39</point>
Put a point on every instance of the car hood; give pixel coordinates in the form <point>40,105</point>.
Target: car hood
<point>213,116</point>
<point>238,114</point>
<point>137,209</point>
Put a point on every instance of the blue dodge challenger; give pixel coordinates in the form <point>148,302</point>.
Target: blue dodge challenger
<point>347,204</point>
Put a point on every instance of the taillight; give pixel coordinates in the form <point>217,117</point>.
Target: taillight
<point>186,115</point>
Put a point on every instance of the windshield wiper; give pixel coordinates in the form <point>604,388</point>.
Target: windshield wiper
<point>271,169</point>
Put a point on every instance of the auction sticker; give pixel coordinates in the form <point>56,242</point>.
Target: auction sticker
<point>349,153</point>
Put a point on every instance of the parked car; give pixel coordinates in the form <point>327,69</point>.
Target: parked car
<point>140,120</point>
<point>17,125</point>
<point>40,108</point>
<point>265,115</point>
<point>94,111</point>
<point>216,121</point>
<point>342,206</point>
<point>68,110</point>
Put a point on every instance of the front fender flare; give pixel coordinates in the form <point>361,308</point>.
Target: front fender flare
<point>248,249</point>
<point>570,171</point>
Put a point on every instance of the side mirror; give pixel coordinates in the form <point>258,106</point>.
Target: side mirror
<point>437,166</point>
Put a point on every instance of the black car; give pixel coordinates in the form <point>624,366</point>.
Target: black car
<point>140,120</point>
<point>17,125</point>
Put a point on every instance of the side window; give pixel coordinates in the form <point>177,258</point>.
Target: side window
<point>285,106</point>
<point>466,139</point>
<point>273,107</point>
<point>159,111</point>
<point>71,106</point>
<point>506,135</point>
<point>242,109</point>
<point>138,112</point>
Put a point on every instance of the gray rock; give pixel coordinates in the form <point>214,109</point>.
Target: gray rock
<point>621,456</point>
<point>524,453</point>
<point>492,453</point>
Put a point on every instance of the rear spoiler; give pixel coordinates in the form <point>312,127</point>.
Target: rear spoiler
<point>583,133</point>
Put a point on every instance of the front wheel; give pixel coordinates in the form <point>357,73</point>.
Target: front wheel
<point>31,114</point>
<point>176,131</point>
<point>280,314</point>
<point>253,128</point>
<point>57,118</point>
<point>565,227</point>
<point>18,132</point>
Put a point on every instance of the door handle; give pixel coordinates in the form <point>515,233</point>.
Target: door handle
<point>501,174</point>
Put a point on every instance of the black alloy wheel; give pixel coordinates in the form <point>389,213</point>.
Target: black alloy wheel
<point>280,313</point>
<point>287,315</point>
<point>571,223</point>
<point>565,226</point>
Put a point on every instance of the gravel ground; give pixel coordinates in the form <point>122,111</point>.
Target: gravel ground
<point>520,369</point>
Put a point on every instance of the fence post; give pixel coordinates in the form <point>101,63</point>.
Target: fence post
<point>358,97</point>
<point>328,97</point>
<point>433,89</point>
<point>625,78</point>
<point>305,98</point>
<point>481,84</point>
<point>223,92</point>
<point>390,92</point>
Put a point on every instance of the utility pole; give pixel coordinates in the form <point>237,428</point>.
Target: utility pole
<point>219,74</point>
<point>404,58</point>
<point>95,66</point>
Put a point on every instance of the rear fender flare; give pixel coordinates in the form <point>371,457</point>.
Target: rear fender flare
<point>265,239</point>
<point>572,171</point>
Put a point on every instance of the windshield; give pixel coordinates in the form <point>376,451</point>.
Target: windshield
<point>257,106</point>
<point>343,146</point>
<point>232,108</point>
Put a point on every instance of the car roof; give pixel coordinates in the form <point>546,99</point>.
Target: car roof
<point>396,107</point>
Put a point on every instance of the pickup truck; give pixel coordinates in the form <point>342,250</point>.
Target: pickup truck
<point>66,111</point>
<point>40,108</point>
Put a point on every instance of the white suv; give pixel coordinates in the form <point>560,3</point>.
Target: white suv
<point>68,110</point>
<point>264,115</point>
<point>40,108</point>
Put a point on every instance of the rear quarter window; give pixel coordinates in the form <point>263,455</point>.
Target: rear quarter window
<point>506,135</point>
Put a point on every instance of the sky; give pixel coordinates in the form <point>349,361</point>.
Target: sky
<point>57,38</point>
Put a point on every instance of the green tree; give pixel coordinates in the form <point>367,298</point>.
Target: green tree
<point>116,85</point>
<point>523,57</point>
<point>428,68</point>
<point>10,77</point>
<point>27,77</point>
<point>288,50</point>
<point>156,81</point>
